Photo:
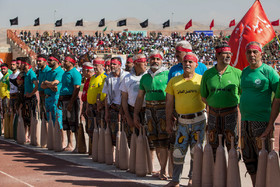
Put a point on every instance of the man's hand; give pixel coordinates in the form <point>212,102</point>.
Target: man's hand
<point>137,122</point>
<point>28,95</point>
<point>268,130</point>
<point>169,126</point>
<point>70,106</point>
<point>129,121</point>
<point>107,117</point>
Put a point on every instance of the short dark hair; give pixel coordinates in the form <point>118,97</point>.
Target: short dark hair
<point>4,65</point>
<point>117,58</point>
<point>222,44</point>
<point>26,59</point>
<point>42,56</point>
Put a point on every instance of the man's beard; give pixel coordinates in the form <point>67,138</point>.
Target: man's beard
<point>51,65</point>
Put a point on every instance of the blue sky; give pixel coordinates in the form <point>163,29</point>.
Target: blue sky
<point>157,11</point>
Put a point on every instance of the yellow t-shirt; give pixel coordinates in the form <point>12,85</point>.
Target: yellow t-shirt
<point>186,93</point>
<point>95,87</point>
<point>5,87</point>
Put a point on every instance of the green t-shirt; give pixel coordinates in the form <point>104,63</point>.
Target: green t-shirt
<point>154,87</point>
<point>221,91</point>
<point>257,86</point>
<point>277,95</point>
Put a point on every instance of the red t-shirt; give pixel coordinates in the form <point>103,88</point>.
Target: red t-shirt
<point>84,94</point>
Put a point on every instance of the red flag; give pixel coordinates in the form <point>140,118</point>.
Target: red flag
<point>211,24</point>
<point>254,26</point>
<point>188,25</point>
<point>275,23</point>
<point>232,23</point>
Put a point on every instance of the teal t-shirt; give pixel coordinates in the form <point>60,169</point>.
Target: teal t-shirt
<point>257,86</point>
<point>69,80</point>
<point>42,76</point>
<point>52,75</point>
<point>29,78</point>
<point>221,91</point>
<point>154,87</point>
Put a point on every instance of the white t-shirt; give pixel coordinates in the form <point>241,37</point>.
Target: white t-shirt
<point>1,75</point>
<point>130,85</point>
<point>112,89</point>
<point>13,88</point>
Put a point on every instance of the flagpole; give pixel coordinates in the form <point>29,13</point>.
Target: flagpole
<point>54,21</point>
<point>172,22</point>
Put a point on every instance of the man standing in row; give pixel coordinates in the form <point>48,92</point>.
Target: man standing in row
<point>5,88</point>
<point>152,88</point>
<point>113,96</point>
<point>258,81</point>
<point>30,99</point>
<point>14,87</point>
<point>184,92</point>
<point>71,82</point>
<point>43,70</point>
<point>52,85</point>
<point>88,72</point>
<point>95,97</point>
<point>220,90</point>
<point>130,88</point>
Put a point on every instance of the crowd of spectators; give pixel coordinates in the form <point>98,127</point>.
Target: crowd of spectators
<point>128,43</point>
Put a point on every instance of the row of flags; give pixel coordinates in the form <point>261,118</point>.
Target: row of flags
<point>121,23</point>
<point>254,26</point>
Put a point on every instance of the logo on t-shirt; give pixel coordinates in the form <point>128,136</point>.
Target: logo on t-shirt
<point>258,81</point>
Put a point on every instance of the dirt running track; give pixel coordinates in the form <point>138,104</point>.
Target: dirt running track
<point>20,166</point>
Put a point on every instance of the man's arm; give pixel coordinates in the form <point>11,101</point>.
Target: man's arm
<point>74,97</point>
<point>137,107</point>
<point>274,113</point>
<point>125,109</point>
<point>49,84</point>
<point>204,100</point>
<point>169,110</point>
<point>35,82</point>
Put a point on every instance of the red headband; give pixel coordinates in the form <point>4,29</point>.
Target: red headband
<point>53,58</point>
<point>139,60</point>
<point>19,78</point>
<point>222,49</point>
<point>18,61</point>
<point>98,61</point>
<point>42,59</point>
<point>107,63</point>
<point>25,63</point>
<point>116,61</point>
<point>129,60</point>
<point>179,48</point>
<point>70,59</point>
<point>156,56</point>
<point>87,67</point>
<point>190,57</point>
<point>252,46</point>
<point>13,62</point>
<point>4,67</point>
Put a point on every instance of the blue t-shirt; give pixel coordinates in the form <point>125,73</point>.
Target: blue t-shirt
<point>29,78</point>
<point>52,75</point>
<point>178,70</point>
<point>42,76</point>
<point>69,80</point>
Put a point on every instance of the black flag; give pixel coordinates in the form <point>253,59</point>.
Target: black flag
<point>166,24</point>
<point>101,22</point>
<point>58,23</point>
<point>14,21</point>
<point>79,23</point>
<point>121,23</point>
<point>144,24</point>
<point>37,22</point>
